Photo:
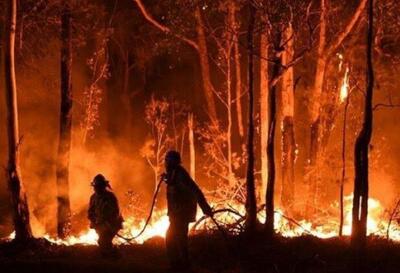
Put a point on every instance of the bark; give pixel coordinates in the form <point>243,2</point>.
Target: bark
<point>287,128</point>
<point>264,112</point>
<point>251,203</point>
<point>205,66</point>
<point>318,119</point>
<point>270,203</point>
<point>19,202</point>
<point>315,110</point>
<point>64,144</point>
<point>192,147</point>
<point>228,52</point>
<point>229,129</point>
<point>238,70</point>
<point>361,183</point>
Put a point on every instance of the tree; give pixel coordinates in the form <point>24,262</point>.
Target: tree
<point>236,28</point>
<point>321,122</point>
<point>64,144</point>
<point>264,46</point>
<point>278,17</point>
<point>361,179</point>
<point>199,44</point>
<point>154,150</point>
<point>251,202</point>
<point>269,199</point>
<point>288,140</point>
<point>18,196</point>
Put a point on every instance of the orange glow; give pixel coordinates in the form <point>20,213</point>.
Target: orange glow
<point>376,225</point>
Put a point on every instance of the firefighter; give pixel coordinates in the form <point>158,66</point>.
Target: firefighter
<point>104,214</point>
<point>183,195</point>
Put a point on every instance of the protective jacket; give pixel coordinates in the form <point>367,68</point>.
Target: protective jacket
<point>183,195</point>
<point>104,211</point>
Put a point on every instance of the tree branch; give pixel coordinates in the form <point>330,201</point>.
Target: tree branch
<point>348,28</point>
<point>162,27</point>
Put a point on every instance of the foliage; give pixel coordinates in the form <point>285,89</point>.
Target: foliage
<point>163,118</point>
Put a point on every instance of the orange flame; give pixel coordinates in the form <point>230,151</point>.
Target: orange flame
<point>376,225</point>
<point>344,89</point>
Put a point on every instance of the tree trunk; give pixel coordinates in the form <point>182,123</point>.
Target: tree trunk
<point>315,110</point>
<point>341,190</point>
<point>264,112</point>
<point>229,129</point>
<point>361,183</point>
<point>287,128</point>
<point>19,200</point>
<point>251,204</point>
<point>192,147</point>
<point>314,135</point>
<point>238,70</point>
<point>270,203</point>
<point>64,144</point>
<point>205,66</point>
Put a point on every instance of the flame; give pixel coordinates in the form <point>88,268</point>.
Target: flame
<point>340,56</point>
<point>344,89</point>
<point>376,225</point>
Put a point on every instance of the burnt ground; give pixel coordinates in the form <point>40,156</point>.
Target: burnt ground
<point>210,253</point>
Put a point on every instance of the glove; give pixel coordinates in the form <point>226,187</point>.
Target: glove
<point>163,177</point>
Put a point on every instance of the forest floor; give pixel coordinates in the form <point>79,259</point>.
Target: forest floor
<point>209,253</point>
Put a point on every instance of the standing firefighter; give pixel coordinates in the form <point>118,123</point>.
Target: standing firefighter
<point>182,196</point>
<point>104,214</point>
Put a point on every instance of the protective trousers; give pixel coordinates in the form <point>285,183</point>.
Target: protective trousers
<point>177,243</point>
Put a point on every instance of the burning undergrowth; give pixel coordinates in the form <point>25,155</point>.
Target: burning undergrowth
<point>231,217</point>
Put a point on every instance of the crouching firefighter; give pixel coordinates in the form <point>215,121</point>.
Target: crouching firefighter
<point>104,214</point>
<point>183,195</point>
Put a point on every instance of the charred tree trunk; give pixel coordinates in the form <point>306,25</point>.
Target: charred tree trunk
<point>251,203</point>
<point>19,200</point>
<point>64,144</point>
<point>361,183</point>
<point>287,128</point>
<point>264,112</point>
<point>205,66</point>
<point>269,199</point>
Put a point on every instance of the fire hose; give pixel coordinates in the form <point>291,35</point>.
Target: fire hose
<point>129,239</point>
<point>153,203</point>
